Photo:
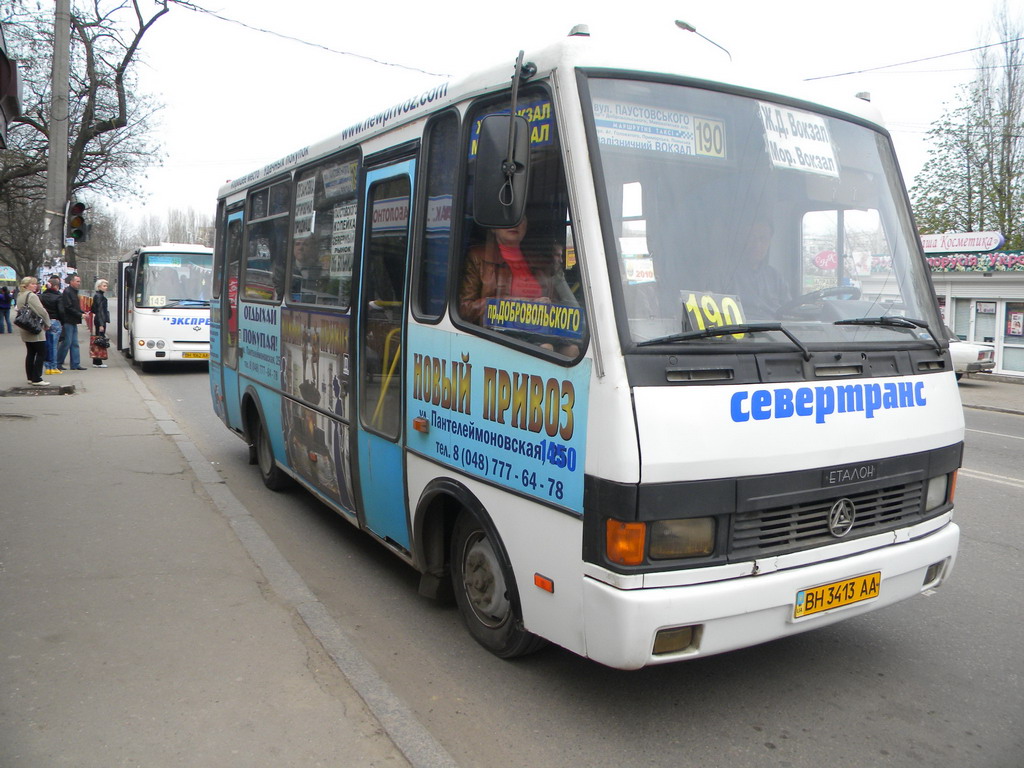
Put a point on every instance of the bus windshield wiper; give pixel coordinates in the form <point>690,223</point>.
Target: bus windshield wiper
<point>186,303</point>
<point>893,321</point>
<point>726,330</point>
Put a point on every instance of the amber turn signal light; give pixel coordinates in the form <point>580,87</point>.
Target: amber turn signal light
<point>624,542</point>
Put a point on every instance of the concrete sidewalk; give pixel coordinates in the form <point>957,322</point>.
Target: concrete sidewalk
<point>136,628</point>
<point>987,392</point>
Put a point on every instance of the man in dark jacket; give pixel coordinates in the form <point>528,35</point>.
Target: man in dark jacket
<point>51,303</point>
<point>71,315</point>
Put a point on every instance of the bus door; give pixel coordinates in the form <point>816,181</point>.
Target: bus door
<point>228,337</point>
<point>125,300</point>
<point>380,350</point>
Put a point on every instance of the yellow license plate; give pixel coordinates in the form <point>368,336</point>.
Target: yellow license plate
<point>196,355</point>
<point>837,594</point>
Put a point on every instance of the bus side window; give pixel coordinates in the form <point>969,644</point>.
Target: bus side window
<point>430,282</point>
<point>383,286</point>
<point>233,260</point>
<point>218,251</point>
<point>512,282</point>
<point>267,240</point>
<point>323,234</point>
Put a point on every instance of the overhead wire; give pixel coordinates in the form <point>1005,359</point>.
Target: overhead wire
<point>915,61</point>
<point>199,9</point>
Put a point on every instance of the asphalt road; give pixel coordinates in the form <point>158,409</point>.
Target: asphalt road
<point>934,681</point>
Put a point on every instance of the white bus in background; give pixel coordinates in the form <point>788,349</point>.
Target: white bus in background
<point>718,409</point>
<point>164,311</point>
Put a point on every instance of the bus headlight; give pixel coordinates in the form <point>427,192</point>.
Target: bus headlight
<point>689,537</point>
<point>936,492</point>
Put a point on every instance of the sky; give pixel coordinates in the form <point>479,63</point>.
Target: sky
<point>237,98</point>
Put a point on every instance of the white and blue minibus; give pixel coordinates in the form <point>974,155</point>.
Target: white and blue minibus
<point>164,309</point>
<point>620,349</point>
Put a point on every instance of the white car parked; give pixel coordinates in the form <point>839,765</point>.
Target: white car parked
<point>969,357</point>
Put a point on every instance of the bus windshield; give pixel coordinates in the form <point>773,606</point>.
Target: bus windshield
<point>727,210</point>
<point>174,280</point>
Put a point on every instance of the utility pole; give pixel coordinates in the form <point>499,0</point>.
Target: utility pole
<point>57,164</point>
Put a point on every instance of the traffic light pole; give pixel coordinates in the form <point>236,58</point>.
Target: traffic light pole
<point>57,163</point>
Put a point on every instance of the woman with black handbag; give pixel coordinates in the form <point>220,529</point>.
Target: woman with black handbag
<point>35,340</point>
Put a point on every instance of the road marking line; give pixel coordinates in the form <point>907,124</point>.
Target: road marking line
<point>1001,479</point>
<point>995,434</point>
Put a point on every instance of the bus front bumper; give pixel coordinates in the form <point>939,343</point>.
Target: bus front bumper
<point>622,624</point>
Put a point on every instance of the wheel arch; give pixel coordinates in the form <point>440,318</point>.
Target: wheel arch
<point>251,409</point>
<point>439,506</point>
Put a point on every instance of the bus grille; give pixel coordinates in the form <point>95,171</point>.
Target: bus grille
<point>800,526</point>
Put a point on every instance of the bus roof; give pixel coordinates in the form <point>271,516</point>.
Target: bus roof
<point>675,54</point>
<point>172,248</point>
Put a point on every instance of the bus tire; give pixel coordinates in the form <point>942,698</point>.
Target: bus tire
<point>481,578</point>
<point>275,478</point>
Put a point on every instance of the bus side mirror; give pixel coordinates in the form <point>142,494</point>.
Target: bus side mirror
<point>502,171</point>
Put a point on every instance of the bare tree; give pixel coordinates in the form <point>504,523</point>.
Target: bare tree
<point>974,178</point>
<point>188,226</point>
<point>108,124</point>
<point>177,226</point>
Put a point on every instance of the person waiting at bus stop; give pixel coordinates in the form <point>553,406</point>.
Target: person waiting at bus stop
<point>35,343</point>
<point>5,310</point>
<point>71,316</point>
<point>100,317</point>
<point>502,268</point>
<point>51,302</point>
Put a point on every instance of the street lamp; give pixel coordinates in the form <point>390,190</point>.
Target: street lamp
<point>690,28</point>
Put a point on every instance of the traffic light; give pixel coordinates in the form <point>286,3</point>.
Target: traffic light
<point>76,226</point>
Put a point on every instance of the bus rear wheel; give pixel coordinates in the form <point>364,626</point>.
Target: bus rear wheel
<point>481,578</point>
<point>275,478</point>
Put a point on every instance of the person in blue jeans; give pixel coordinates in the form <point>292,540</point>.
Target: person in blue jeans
<point>51,303</point>
<point>71,316</point>
<point>5,311</point>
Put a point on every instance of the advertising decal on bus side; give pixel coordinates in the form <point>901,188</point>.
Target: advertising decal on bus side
<point>314,370</point>
<point>260,344</point>
<point>516,421</point>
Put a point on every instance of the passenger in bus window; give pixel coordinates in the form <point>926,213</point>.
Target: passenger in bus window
<point>505,267</point>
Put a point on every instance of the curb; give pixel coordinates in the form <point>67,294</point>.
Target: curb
<point>995,408</point>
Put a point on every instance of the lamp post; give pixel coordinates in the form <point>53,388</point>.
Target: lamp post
<point>57,161</point>
<point>690,28</point>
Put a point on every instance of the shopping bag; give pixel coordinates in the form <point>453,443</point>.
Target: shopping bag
<point>97,347</point>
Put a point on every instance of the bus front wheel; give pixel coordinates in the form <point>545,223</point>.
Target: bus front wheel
<point>481,578</point>
<point>275,478</point>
